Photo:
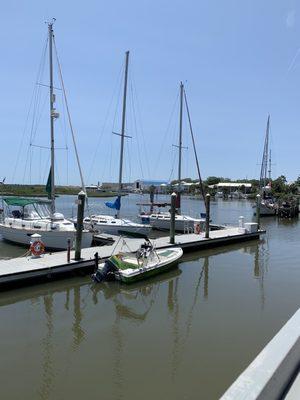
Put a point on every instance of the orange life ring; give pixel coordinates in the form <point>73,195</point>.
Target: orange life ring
<point>197,229</point>
<point>37,248</point>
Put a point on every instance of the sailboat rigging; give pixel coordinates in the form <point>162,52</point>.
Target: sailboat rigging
<point>26,216</point>
<point>267,206</point>
<point>183,223</point>
<point>116,224</point>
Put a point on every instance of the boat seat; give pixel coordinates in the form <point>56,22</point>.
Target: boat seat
<point>16,214</point>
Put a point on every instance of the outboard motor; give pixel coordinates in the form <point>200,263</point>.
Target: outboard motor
<point>107,273</point>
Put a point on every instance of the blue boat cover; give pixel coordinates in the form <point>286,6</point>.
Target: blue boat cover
<point>116,204</point>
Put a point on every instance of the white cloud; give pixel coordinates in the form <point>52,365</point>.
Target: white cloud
<point>290,19</point>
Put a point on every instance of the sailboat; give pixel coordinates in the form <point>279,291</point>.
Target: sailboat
<point>115,224</point>
<point>267,205</point>
<point>22,217</point>
<point>183,223</point>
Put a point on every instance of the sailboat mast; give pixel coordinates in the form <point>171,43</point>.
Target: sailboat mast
<point>50,31</point>
<point>123,125</point>
<point>264,163</point>
<point>266,152</point>
<point>180,145</point>
<point>270,166</point>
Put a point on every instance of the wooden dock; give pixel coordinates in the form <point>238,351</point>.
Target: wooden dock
<point>23,270</point>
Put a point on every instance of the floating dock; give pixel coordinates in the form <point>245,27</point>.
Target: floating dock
<point>24,270</point>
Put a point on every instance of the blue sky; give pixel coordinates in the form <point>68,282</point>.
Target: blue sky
<point>238,60</point>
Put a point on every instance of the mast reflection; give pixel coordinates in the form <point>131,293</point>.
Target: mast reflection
<point>47,347</point>
<point>78,332</point>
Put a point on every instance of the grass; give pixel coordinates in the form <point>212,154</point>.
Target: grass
<point>39,191</point>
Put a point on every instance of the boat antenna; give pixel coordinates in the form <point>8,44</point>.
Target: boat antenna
<point>194,147</point>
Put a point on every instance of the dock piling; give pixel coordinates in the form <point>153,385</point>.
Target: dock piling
<point>258,210</point>
<point>207,217</point>
<point>69,251</point>
<point>79,227</point>
<point>172,222</point>
<point>96,255</point>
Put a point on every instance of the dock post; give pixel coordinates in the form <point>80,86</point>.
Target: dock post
<point>96,255</point>
<point>258,210</point>
<point>69,251</point>
<point>79,226</point>
<point>207,217</point>
<point>172,221</point>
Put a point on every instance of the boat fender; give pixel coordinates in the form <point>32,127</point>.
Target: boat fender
<point>37,248</point>
<point>197,229</point>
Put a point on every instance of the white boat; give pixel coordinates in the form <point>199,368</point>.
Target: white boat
<point>267,207</point>
<point>236,195</point>
<point>131,267</point>
<point>22,217</point>
<point>183,223</point>
<point>115,224</point>
<point>27,216</point>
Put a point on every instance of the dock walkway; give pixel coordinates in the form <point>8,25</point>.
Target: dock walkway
<point>20,269</point>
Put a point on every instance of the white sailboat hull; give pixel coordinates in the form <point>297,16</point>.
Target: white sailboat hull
<point>115,226</point>
<point>266,209</point>
<point>183,223</point>
<point>57,240</point>
<point>119,229</point>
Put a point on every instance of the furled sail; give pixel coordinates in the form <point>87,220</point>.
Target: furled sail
<point>116,204</point>
<point>49,185</point>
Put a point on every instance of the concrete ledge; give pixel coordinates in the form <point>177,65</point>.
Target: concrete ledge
<point>270,374</point>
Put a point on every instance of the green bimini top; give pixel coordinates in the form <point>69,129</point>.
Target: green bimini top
<point>23,201</point>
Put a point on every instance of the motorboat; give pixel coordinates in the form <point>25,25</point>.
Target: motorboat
<point>132,267</point>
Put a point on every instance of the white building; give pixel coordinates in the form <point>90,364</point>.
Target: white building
<point>232,186</point>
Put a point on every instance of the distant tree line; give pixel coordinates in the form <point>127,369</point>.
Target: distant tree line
<point>279,186</point>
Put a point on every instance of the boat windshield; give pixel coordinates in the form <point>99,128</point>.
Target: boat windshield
<point>30,211</point>
<point>27,208</point>
<point>40,210</point>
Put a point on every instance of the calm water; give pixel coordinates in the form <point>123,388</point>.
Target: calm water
<point>183,335</point>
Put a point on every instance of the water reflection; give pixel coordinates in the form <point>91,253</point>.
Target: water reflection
<point>128,299</point>
<point>133,303</point>
<point>78,332</point>
<point>181,298</point>
<point>47,345</point>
